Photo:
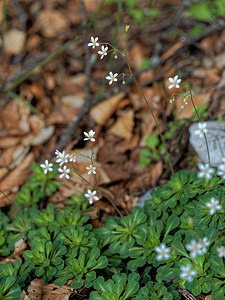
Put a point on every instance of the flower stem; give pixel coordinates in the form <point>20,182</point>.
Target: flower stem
<point>206,142</point>
<point>152,113</point>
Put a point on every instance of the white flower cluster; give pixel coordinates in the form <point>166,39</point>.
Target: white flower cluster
<point>221,169</point>
<point>162,251</point>
<point>198,248</point>
<point>103,52</point>
<point>205,171</point>
<point>213,206</point>
<point>63,158</point>
<point>187,273</point>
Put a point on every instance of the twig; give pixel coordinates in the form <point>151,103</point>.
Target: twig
<point>72,126</point>
<point>186,294</point>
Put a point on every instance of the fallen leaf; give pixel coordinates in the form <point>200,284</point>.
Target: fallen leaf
<point>14,41</point>
<point>102,111</point>
<point>137,52</point>
<point>8,141</point>
<point>124,125</point>
<point>51,23</point>
<point>54,292</point>
<point>3,172</point>
<point>23,296</point>
<point>43,136</point>
<point>19,247</point>
<point>19,175</point>
<point>35,289</point>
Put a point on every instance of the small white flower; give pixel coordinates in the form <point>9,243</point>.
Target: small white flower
<point>91,169</point>
<point>201,129</point>
<point>103,52</point>
<point>187,273</point>
<point>204,243</point>
<point>89,136</point>
<point>47,167</point>
<point>221,169</point>
<point>72,157</point>
<point>195,248</point>
<point>127,28</point>
<point>111,77</point>
<point>174,82</point>
<point>93,42</point>
<point>162,251</point>
<point>213,205</point>
<point>57,153</point>
<point>221,251</point>
<point>205,171</point>
<point>91,196</point>
<point>62,158</point>
<point>64,172</point>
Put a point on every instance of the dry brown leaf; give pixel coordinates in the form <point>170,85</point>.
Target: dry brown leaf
<point>137,52</point>
<point>187,112</point>
<point>19,247</point>
<point>102,111</point>
<point>3,172</point>
<point>115,172</point>
<point>36,123</point>
<point>43,136</point>
<point>18,175</point>
<point>51,22</point>
<point>74,101</point>
<point>147,179</point>
<point>54,292</point>
<point>14,41</point>
<point>91,6</point>
<point>6,156</point>
<point>35,289</point>
<point>8,141</point>
<point>6,198</point>
<point>124,125</point>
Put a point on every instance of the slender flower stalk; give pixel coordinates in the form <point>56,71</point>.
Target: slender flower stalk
<point>206,142</point>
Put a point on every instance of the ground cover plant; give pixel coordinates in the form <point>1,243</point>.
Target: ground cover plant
<point>174,242</point>
<point>97,243</point>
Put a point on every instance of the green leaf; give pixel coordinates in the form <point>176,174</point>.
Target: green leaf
<point>152,141</point>
<point>172,223</point>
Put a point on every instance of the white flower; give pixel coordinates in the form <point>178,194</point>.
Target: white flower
<point>93,42</point>
<point>213,205</point>
<point>103,52</point>
<point>174,82</point>
<point>89,136</point>
<point>62,158</point>
<point>201,129</point>
<point>205,171</point>
<point>57,153</point>
<point>111,77</point>
<point>187,273</point>
<point>91,196</point>
<point>221,169</point>
<point>221,251</point>
<point>72,157</point>
<point>46,167</point>
<point>64,172</point>
<point>91,169</point>
<point>162,251</point>
<point>204,243</point>
<point>195,248</point>
<point>127,28</point>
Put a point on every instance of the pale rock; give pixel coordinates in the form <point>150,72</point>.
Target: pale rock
<point>216,141</point>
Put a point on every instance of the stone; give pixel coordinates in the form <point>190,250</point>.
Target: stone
<point>216,141</point>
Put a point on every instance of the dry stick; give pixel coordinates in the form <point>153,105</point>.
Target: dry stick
<point>72,126</point>
<point>206,142</point>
